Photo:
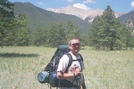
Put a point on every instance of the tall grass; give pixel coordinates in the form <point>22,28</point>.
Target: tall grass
<point>103,70</point>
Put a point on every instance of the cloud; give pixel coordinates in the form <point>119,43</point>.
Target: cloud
<point>81,6</point>
<point>132,3</point>
<point>70,0</point>
<point>40,3</point>
<point>89,1</point>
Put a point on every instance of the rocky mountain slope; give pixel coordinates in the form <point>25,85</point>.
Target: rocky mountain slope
<point>81,13</point>
<point>40,17</point>
<point>89,15</point>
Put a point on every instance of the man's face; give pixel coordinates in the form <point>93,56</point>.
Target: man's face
<point>75,46</point>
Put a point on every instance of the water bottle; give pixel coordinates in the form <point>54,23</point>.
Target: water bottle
<point>54,75</point>
<point>53,79</point>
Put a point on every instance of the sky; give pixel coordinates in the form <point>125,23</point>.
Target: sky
<point>116,5</point>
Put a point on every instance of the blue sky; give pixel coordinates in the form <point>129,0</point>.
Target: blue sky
<point>116,5</point>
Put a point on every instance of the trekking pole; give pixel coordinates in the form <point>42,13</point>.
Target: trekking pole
<point>78,82</point>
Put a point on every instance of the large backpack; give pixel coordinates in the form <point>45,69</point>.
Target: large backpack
<point>49,73</point>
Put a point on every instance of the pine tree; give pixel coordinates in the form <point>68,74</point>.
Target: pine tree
<point>6,20</point>
<point>108,26</point>
<point>95,34</point>
<point>107,32</point>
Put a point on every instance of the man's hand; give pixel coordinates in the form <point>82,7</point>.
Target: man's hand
<point>77,71</point>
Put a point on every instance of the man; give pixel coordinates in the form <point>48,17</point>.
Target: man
<point>74,73</point>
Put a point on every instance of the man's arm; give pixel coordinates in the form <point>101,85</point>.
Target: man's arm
<point>62,75</point>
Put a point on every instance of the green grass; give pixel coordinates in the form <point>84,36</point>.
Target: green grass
<point>104,70</point>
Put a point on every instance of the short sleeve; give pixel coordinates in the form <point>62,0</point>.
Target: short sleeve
<point>63,63</point>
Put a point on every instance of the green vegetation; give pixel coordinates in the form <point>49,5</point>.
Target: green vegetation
<point>6,18</point>
<point>19,65</point>
<point>40,17</point>
<point>60,35</point>
<point>18,33</point>
<point>12,27</point>
<point>108,32</point>
<point>104,70</point>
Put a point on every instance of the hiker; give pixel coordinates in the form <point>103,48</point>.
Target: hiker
<point>74,73</point>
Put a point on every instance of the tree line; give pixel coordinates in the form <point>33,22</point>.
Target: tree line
<point>106,31</point>
<point>15,31</point>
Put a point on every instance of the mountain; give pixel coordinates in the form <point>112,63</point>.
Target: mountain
<point>40,17</point>
<point>127,16</point>
<point>81,13</point>
<point>89,15</point>
<point>128,19</point>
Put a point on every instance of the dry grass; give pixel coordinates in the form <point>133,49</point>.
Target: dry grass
<point>104,70</point>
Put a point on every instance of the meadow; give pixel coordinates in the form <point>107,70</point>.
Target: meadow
<point>19,67</point>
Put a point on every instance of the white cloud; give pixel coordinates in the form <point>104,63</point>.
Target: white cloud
<point>70,0</point>
<point>89,1</point>
<point>40,3</point>
<point>132,3</point>
<point>81,6</point>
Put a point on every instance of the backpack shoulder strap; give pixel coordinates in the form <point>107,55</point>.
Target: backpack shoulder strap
<point>81,57</point>
<point>70,61</point>
<point>80,60</point>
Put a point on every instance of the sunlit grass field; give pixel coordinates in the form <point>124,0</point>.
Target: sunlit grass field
<point>19,67</point>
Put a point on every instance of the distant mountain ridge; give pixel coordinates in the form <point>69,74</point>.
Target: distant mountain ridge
<point>81,13</point>
<point>81,18</point>
<point>127,16</point>
<point>128,19</point>
<point>89,15</point>
<point>39,17</point>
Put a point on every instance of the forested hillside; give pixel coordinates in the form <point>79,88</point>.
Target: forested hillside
<point>51,29</point>
<point>39,17</point>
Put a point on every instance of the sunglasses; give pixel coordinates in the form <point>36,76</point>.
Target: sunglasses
<point>76,44</point>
